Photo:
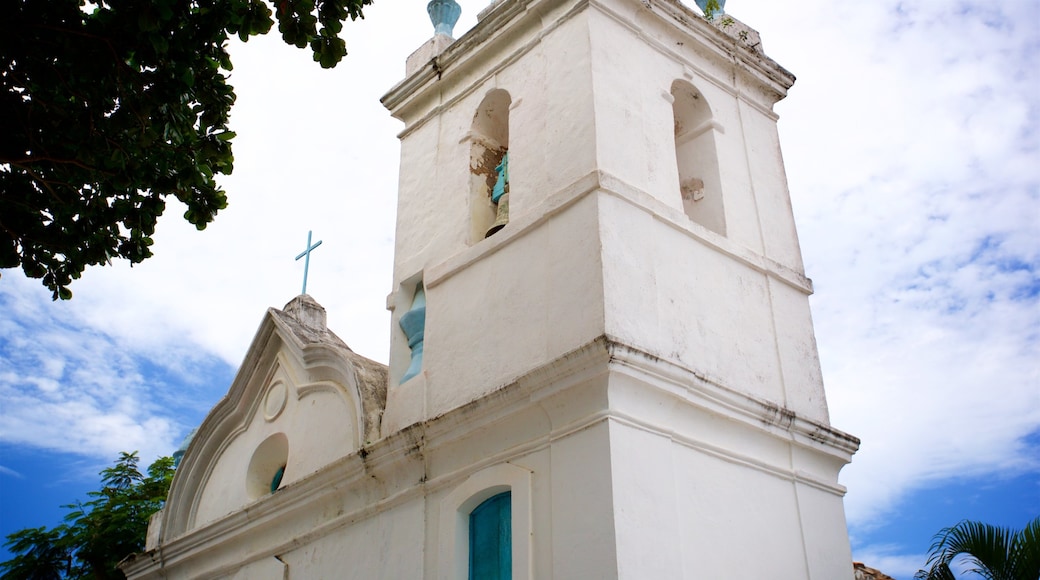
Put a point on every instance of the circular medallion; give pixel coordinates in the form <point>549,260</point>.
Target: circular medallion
<point>275,400</point>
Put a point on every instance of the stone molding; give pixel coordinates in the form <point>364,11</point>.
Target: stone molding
<point>469,53</point>
<point>599,181</point>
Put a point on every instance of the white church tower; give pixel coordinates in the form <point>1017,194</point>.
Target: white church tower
<point>637,338</point>
<point>603,362</point>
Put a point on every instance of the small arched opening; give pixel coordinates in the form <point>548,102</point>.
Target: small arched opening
<point>488,165</point>
<point>696,157</point>
<point>267,466</point>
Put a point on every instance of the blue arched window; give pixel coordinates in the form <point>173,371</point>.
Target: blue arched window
<point>491,539</point>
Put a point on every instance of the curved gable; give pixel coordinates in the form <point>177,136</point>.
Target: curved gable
<point>301,400</point>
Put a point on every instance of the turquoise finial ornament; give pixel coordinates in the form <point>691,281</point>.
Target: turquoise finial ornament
<point>711,8</point>
<point>413,323</point>
<point>307,262</point>
<point>179,454</point>
<point>443,14</point>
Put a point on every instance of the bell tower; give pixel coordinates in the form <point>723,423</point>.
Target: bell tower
<point>632,305</point>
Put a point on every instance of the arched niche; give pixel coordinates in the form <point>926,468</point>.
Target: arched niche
<point>489,141</point>
<point>267,466</point>
<point>697,158</point>
<point>457,506</point>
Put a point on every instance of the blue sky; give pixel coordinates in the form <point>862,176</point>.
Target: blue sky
<point>912,150</point>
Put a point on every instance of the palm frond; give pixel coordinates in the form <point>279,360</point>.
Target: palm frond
<point>993,552</point>
<point>1025,552</point>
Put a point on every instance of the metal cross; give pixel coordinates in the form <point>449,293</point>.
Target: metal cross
<point>307,262</point>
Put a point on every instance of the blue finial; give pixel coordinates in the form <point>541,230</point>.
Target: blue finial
<point>444,14</point>
<point>307,262</point>
<point>711,8</point>
<point>179,454</point>
<point>413,323</point>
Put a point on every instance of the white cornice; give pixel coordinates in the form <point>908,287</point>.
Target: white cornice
<point>476,46</point>
<point>601,181</point>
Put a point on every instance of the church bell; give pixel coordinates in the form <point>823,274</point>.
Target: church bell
<point>502,217</point>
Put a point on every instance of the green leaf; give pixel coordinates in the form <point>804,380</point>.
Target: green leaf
<point>188,77</point>
<point>992,552</point>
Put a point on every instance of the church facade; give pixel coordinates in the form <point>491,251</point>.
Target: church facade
<point>602,364</point>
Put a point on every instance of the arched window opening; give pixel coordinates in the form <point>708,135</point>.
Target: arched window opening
<point>267,466</point>
<point>488,165</point>
<point>696,157</point>
<point>491,539</point>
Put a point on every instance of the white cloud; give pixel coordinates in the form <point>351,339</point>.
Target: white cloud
<point>911,144</point>
<point>71,388</point>
<point>11,472</point>
<point>888,559</point>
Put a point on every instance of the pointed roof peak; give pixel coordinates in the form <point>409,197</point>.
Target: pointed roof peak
<point>306,310</point>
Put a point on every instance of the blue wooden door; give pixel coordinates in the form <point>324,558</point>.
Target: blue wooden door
<point>491,539</point>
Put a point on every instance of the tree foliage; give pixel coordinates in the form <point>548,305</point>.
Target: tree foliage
<point>98,534</point>
<point>992,552</point>
<point>109,106</point>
